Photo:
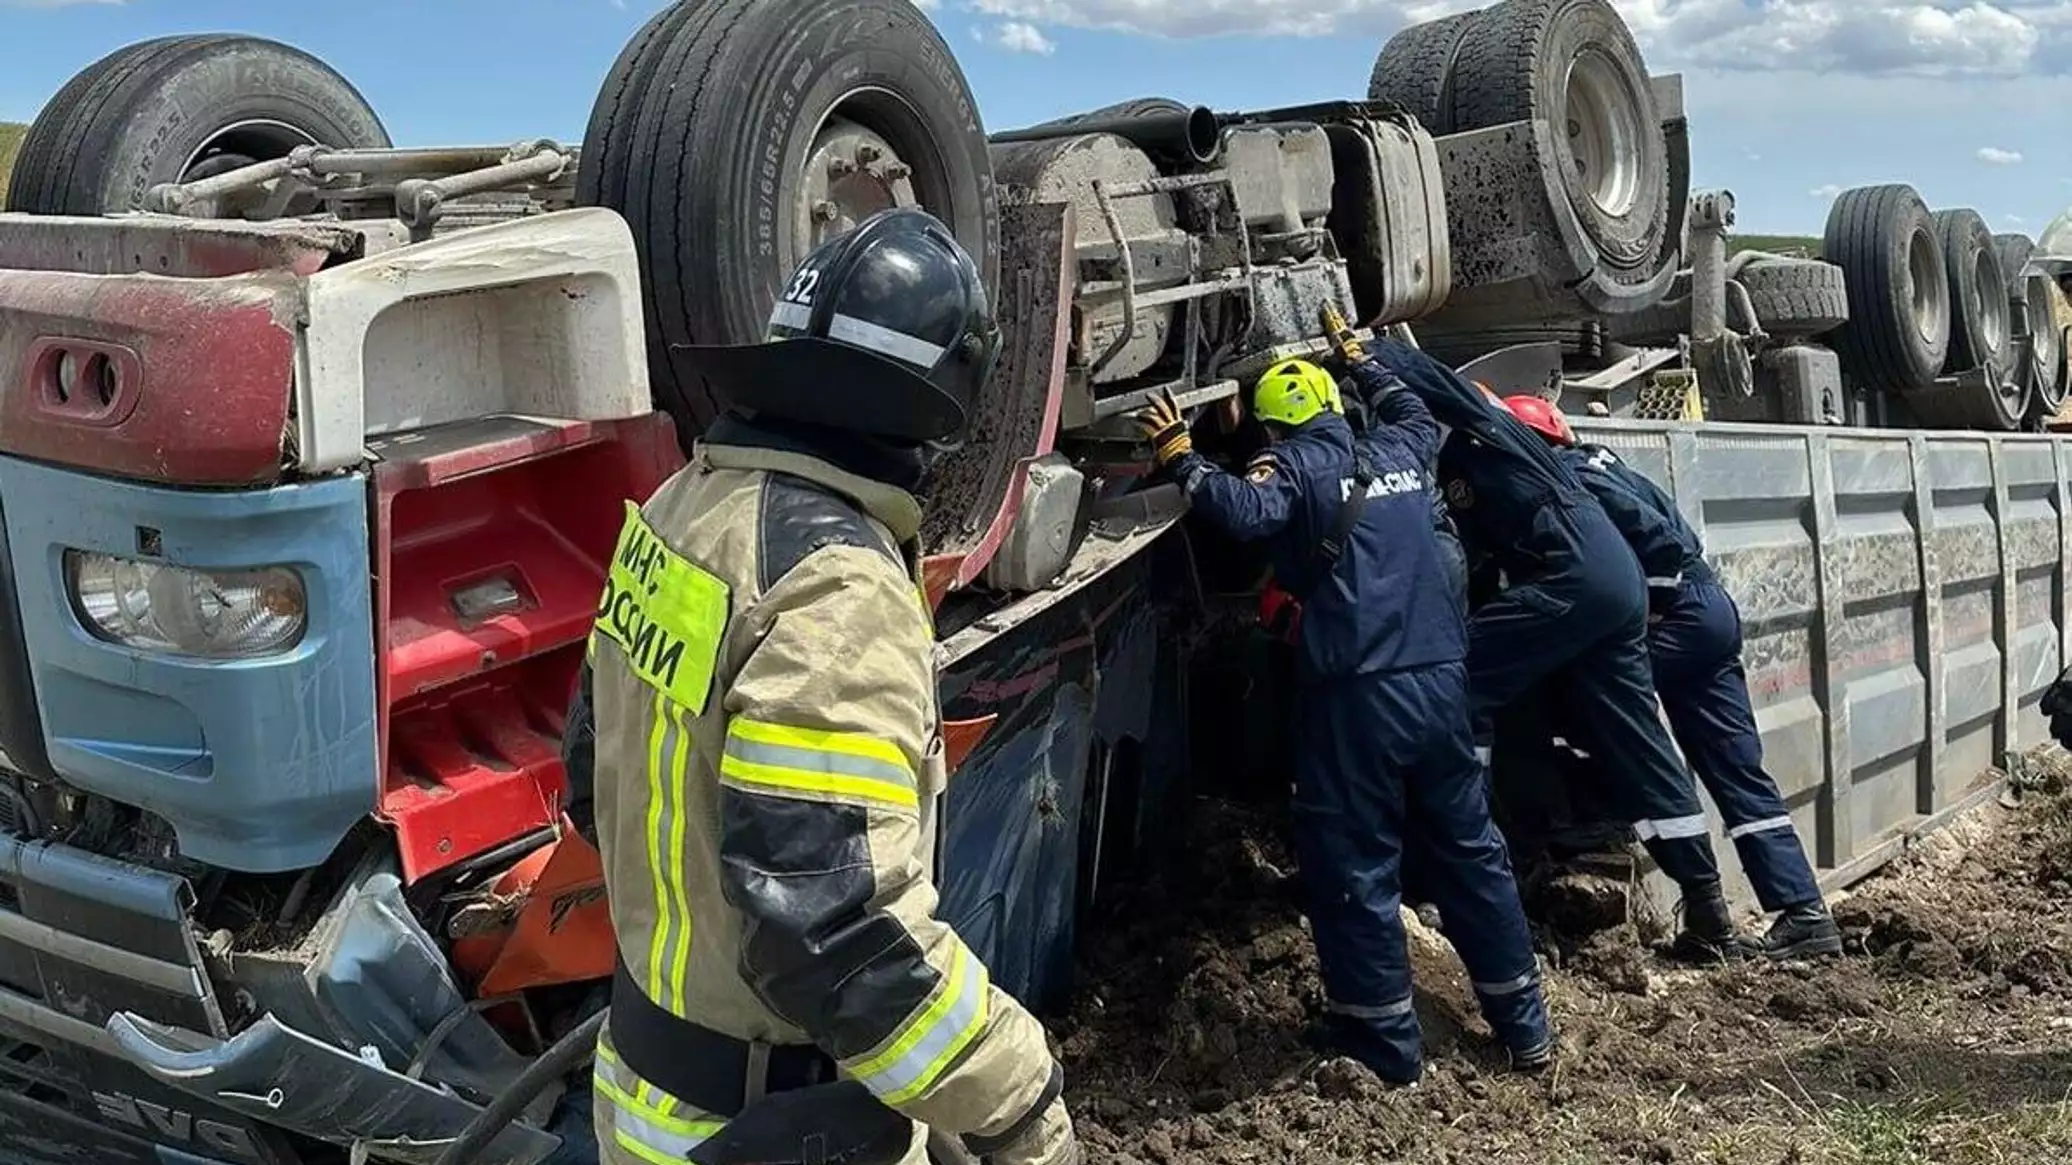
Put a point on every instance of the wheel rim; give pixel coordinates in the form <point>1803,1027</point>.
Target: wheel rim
<point>1989,302</point>
<point>2045,342</point>
<point>1603,133</point>
<point>871,152</point>
<point>237,145</point>
<point>1929,294</point>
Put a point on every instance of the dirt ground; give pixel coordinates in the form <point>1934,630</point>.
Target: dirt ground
<point>1941,1039</point>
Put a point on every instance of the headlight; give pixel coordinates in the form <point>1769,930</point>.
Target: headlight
<point>214,614</point>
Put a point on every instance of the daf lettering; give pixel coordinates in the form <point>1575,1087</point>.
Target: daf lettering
<point>163,1124</point>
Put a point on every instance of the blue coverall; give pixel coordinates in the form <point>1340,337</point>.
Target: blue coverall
<point>1573,604</point>
<point>1695,639</point>
<point>1385,747</point>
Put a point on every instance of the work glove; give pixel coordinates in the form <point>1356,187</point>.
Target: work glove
<point>1344,343</point>
<point>1048,1141</point>
<point>1165,428</point>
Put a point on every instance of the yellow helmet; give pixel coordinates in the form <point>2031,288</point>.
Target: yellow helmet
<point>1293,392</point>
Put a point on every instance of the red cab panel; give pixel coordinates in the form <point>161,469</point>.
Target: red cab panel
<point>175,380</point>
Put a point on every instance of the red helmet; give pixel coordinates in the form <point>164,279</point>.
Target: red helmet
<point>1543,417</point>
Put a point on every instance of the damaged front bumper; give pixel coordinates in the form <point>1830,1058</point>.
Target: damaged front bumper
<point>276,1075</point>
<point>110,1024</point>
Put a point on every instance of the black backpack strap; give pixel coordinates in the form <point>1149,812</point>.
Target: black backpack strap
<point>1333,546</point>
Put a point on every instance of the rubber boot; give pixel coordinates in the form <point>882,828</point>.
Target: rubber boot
<point>1708,934</point>
<point>1537,1058</point>
<point>1805,931</point>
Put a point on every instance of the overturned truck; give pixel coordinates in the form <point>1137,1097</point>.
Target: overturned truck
<point>313,451</point>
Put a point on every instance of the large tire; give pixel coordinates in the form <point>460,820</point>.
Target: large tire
<point>1979,327</point>
<point>1574,63</point>
<point>708,166</point>
<point>1415,70</point>
<point>1898,333</point>
<point>2015,253</point>
<point>1796,297</point>
<point>2039,302</point>
<point>1134,107</point>
<point>608,136</point>
<point>181,107</point>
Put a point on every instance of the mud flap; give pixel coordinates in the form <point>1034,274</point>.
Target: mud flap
<point>277,1075</point>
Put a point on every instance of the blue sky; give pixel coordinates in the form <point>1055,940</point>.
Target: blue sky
<point>1790,98</point>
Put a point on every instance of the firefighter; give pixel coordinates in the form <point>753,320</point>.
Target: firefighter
<point>768,747</point>
<point>1694,640</point>
<point>1384,747</point>
<point>1572,607</point>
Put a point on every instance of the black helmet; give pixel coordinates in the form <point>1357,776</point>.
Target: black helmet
<point>883,330</point>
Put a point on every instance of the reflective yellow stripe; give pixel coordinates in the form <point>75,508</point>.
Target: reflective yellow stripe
<point>766,778</point>
<point>847,744</point>
<point>658,943</point>
<point>933,1039</point>
<point>679,971</point>
<point>672,1124</point>
<point>652,1102</point>
<point>763,757</point>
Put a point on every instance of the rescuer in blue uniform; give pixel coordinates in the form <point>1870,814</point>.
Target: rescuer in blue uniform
<point>1572,604</point>
<point>1385,748</point>
<point>1694,637</point>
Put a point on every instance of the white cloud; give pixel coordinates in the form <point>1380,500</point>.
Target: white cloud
<point>1995,156</point>
<point>1018,36</point>
<point>1825,193</point>
<point>1878,37</point>
<point>2014,220</point>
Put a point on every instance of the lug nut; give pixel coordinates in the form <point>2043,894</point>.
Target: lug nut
<point>826,211</point>
<point>894,171</point>
<point>839,166</point>
<point>867,153</point>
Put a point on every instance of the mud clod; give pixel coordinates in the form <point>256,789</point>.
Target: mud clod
<point>1941,1037</point>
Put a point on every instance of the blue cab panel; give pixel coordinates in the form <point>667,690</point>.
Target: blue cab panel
<point>260,765</point>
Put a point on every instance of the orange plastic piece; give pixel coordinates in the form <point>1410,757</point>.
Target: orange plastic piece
<point>560,924</point>
<point>959,737</point>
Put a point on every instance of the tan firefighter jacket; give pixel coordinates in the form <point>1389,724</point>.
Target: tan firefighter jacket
<point>767,735</point>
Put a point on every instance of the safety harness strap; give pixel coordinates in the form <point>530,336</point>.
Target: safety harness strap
<point>703,1068</point>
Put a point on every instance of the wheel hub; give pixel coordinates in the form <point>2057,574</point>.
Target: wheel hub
<point>1603,134</point>
<point>1928,289</point>
<point>851,173</point>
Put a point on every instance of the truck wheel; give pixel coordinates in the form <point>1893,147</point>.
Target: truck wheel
<point>1979,328</point>
<point>1415,70</point>
<point>1134,107</point>
<point>1796,297</point>
<point>2015,252</point>
<point>176,109</point>
<point>607,138</point>
<point>2040,303</point>
<point>1885,242</point>
<point>1573,63</point>
<point>778,126</point>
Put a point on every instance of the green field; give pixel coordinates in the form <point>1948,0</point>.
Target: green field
<point>1808,245</point>
<point>10,140</point>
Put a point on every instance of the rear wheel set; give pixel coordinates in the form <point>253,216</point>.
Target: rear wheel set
<point>1933,311</point>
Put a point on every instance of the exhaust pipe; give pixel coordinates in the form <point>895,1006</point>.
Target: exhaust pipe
<point>1192,137</point>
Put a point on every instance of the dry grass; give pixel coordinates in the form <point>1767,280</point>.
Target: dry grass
<point>10,140</point>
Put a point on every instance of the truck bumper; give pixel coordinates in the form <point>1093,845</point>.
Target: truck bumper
<point>114,1046</point>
